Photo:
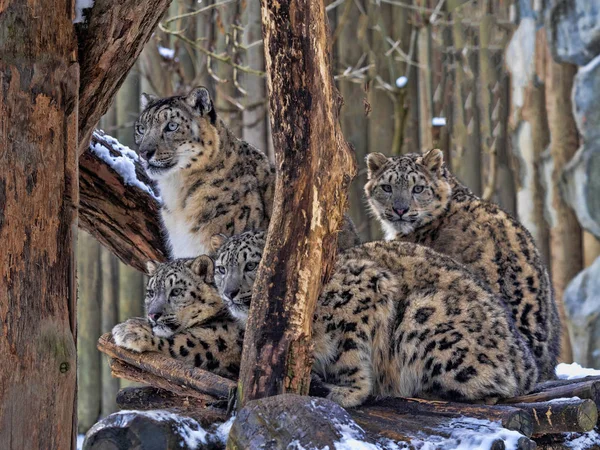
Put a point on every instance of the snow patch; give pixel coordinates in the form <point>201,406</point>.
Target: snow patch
<point>401,82</point>
<point>124,165</point>
<point>352,439</point>
<point>223,430</point>
<point>579,441</point>
<point>574,371</point>
<point>438,121</point>
<point>467,433</point>
<point>80,5</point>
<point>167,53</point>
<point>563,399</point>
<point>80,439</point>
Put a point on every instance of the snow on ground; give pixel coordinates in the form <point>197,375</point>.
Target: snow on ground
<point>467,433</point>
<point>574,371</point>
<point>167,53</point>
<point>223,430</point>
<point>80,5</point>
<point>124,165</point>
<point>577,441</point>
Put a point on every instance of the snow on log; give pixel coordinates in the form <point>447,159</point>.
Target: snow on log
<point>117,204</point>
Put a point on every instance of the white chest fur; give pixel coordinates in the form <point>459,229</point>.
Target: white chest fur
<point>183,242</point>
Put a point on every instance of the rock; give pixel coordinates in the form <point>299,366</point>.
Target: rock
<point>293,421</point>
<point>574,30</point>
<point>581,184</point>
<point>582,305</point>
<point>151,430</point>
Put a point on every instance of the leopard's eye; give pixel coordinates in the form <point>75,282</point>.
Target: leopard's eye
<point>386,187</point>
<point>221,270</point>
<point>418,189</point>
<point>149,293</point>
<point>172,126</point>
<point>175,292</point>
<point>141,129</point>
<point>250,266</point>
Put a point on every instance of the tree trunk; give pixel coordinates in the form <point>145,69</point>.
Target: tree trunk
<point>316,167</point>
<point>109,44</point>
<point>88,313</point>
<point>38,217</point>
<point>565,231</point>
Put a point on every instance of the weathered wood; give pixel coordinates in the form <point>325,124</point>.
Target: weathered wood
<point>561,416</point>
<point>510,417</point>
<point>109,43</point>
<point>547,385</point>
<point>149,398</point>
<point>315,167</point>
<point>584,390</point>
<point>89,359</point>
<point>124,218</point>
<point>125,371</point>
<point>384,422</point>
<point>566,257</point>
<point>39,82</point>
<point>175,371</point>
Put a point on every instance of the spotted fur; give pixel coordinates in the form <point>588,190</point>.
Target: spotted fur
<point>417,200</point>
<point>186,319</point>
<point>210,181</point>
<point>398,319</point>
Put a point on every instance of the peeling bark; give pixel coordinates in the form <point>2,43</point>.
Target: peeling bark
<point>315,168</point>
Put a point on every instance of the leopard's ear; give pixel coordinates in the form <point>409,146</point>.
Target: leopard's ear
<point>199,100</point>
<point>204,267</point>
<point>375,162</point>
<point>217,240</point>
<point>151,267</point>
<point>146,99</point>
<point>433,160</point>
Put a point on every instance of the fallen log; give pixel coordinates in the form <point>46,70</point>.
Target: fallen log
<point>173,371</point>
<point>546,385</point>
<point>509,417</point>
<point>561,416</point>
<point>119,369</point>
<point>385,422</point>
<point>583,390</point>
<point>150,398</point>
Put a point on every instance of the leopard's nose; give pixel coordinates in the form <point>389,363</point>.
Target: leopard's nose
<point>400,212</point>
<point>154,316</point>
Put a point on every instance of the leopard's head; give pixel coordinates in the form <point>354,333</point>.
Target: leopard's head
<point>181,294</point>
<point>407,192</point>
<point>172,133</point>
<point>236,262</point>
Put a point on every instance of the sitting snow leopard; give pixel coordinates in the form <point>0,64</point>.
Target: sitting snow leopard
<point>396,319</point>
<point>417,200</point>
<point>186,319</point>
<point>209,180</point>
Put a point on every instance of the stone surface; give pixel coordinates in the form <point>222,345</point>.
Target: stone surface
<point>150,430</point>
<point>582,304</point>
<point>574,30</point>
<point>293,421</point>
<point>580,183</point>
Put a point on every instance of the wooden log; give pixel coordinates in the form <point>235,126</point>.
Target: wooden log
<point>584,390</point>
<point>511,418</point>
<point>385,422</point>
<point>568,441</point>
<point>148,398</point>
<point>315,167</point>
<point>125,371</point>
<point>123,217</point>
<point>546,385</point>
<point>562,416</point>
<point>176,372</point>
<point>109,43</point>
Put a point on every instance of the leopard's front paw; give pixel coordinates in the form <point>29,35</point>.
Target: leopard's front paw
<point>134,334</point>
